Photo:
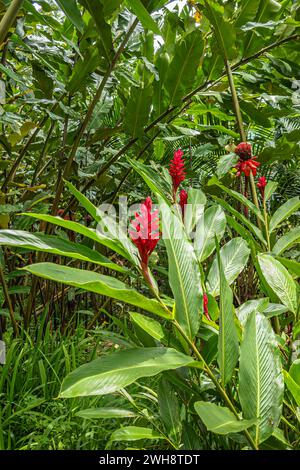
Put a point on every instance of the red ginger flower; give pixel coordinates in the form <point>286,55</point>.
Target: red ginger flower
<point>177,170</point>
<point>247,163</point>
<point>205,306</point>
<point>145,233</point>
<point>262,183</point>
<point>247,167</point>
<point>183,198</point>
<point>244,151</point>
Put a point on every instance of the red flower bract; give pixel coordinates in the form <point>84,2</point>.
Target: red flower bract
<point>247,167</point>
<point>183,197</point>
<point>145,231</point>
<point>244,151</point>
<point>205,306</point>
<point>262,183</point>
<point>177,170</point>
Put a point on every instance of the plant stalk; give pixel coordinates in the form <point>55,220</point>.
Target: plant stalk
<point>9,303</point>
<point>9,18</point>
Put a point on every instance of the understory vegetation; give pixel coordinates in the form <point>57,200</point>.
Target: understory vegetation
<point>149,225</point>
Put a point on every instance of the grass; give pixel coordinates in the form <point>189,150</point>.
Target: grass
<point>31,415</point>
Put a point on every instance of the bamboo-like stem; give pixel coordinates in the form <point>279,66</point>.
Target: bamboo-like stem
<point>9,303</point>
<point>255,198</point>
<point>266,222</point>
<point>241,129</point>
<point>8,19</point>
<point>235,100</point>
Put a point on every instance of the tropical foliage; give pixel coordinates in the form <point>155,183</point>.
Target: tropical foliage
<point>180,328</point>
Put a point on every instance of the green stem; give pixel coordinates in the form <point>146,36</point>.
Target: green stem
<point>9,303</point>
<point>235,100</point>
<point>9,18</point>
<point>266,223</point>
<point>255,198</point>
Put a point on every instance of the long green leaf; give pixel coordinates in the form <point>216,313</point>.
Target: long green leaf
<point>183,68</point>
<point>284,211</point>
<point>134,433</point>
<point>98,283</point>
<point>238,215</point>
<point>85,231</point>
<point>280,281</point>
<point>184,274</point>
<point>228,345</point>
<point>55,245</point>
<point>286,241</point>
<point>137,110</point>
<point>260,377</point>
<point>105,413</point>
<point>69,7</point>
<point>211,224</point>
<point>234,256</point>
<point>220,420</point>
<point>143,15</point>
<point>118,370</point>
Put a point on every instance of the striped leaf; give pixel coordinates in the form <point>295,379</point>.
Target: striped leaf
<point>261,383</point>
<point>234,256</point>
<point>280,281</point>
<point>228,346</point>
<point>184,275</point>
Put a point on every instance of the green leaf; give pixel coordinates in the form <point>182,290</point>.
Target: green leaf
<point>105,413</point>
<point>145,18</point>
<point>247,12</point>
<point>219,419</point>
<point>234,256</point>
<point>169,409</point>
<point>226,163</point>
<point>107,226</point>
<point>223,29</point>
<point>194,208</point>
<point>98,283</point>
<point>293,387</point>
<point>270,189</point>
<point>152,327</point>
<point>134,433</point>
<point>280,281</point>
<point>184,274</point>
<point>55,245</point>
<point>69,7</point>
<point>228,345</point>
<point>153,179</point>
<point>260,377</point>
<point>292,265</point>
<point>242,231</point>
<point>284,211</point>
<point>14,76</point>
<point>118,370</point>
<point>238,196</point>
<point>211,224</point>
<point>85,231</point>
<point>183,68</point>
<point>244,310</point>
<point>286,241</point>
<point>137,111</point>
<point>238,215</point>
<point>83,67</point>
<point>96,10</point>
